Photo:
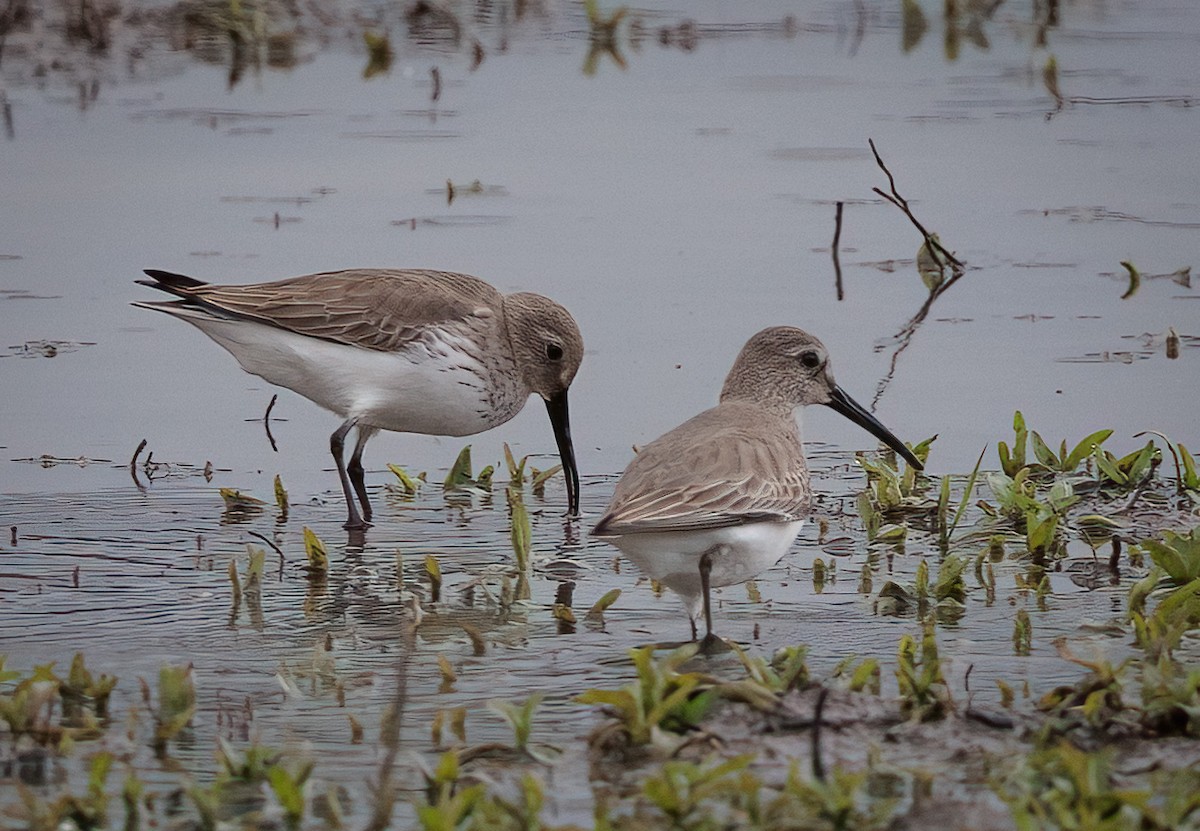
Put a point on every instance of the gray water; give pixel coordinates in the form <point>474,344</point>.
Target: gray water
<point>676,206</point>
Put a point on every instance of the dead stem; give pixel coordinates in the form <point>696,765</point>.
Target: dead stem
<point>278,550</point>
<point>267,422</point>
<point>133,465</point>
<point>900,202</point>
<point>837,236</point>
<point>818,765</point>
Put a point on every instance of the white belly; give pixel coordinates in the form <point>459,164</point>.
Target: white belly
<point>740,553</point>
<point>430,388</point>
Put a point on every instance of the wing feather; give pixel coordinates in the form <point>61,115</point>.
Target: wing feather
<point>730,465</point>
<point>380,309</point>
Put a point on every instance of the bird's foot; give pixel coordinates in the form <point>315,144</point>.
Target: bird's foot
<point>710,644</point>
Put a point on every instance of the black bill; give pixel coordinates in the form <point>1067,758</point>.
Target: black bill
<point>840,402</point>
<point>561,422</point>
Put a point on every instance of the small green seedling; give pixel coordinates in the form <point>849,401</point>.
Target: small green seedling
<point>405,485</point>
<point>1127,472</point>
<point>176,704</point>
<point>924,694</point>
<point>1022,633</point>
<point>281,498</point>
<point>235,500</point>
<point>460,472</point>
<point>596,613</point>
<point>314,550</point>
<point>1176,554</point>
<point>661,703</point>
<point>686,791</point>
<point>863,676</point>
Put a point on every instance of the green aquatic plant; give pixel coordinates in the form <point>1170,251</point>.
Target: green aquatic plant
<point>447,805</point>
<point>767,680</point>
<point>842,800</point>
<point>176,704</point>
<point>1063,787</point>
<point>521,535</point>
<point>1022,633</point>
<point>520,719</point>
<point>1178,555</point>
<point>660,703</point>
<point>892,490</point>
<point>863,676</point>
<point>1170,697</point>
<point>84,694</point>
<point>517,475</point>
<point>1130,471</point>
<point>1046,461</point>
<point>379,54</point>
<point>281,498</point>
<point>235,500</point>
<point>495,812</point>
<point>596,612</point>
<point>405,485</point>
<point>1187,468</point>
<point>28,709</point>
<point>1095,700</point>
<point>688,793</point>
<point>945,524</point>
<point>314,550</point>
<point>459,476</point>
<point>1176,614</point>
<point>85,812</point>
<point>924,694</point>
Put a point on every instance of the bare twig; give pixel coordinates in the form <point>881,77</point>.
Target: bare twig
<point>818,765</point>
<point>268,541</point>
<point>133,465</point>
<point>900,202</point>
<point>837,236</point>
<point>267,422</point>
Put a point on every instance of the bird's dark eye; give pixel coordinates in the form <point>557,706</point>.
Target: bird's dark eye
<point>810,359</point>
<point>554,351</point>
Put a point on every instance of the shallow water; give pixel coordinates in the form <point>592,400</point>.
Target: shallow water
<point>137,580</point>
<point>676,206</point>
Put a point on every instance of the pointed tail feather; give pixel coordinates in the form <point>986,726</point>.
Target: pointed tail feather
<point>177,284</point>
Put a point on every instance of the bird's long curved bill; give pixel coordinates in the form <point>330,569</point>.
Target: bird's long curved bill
<point>851,409</point>
<point>561,422</point>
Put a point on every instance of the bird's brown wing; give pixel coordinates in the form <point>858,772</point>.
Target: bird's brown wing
<point>725,467</point>
<point>380,309</point>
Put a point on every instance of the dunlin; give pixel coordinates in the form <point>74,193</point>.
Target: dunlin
<point>388,349</point>
<point>721,497</point>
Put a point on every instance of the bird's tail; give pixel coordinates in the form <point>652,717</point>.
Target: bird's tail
<point>179,285</point>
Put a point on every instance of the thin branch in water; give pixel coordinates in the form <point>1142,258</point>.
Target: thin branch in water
<point>268,541</point>
<point>133,465</point>
<point>818,765</point>
<point>267,422</point>
<point>837,263</point>
<point>900,202</point>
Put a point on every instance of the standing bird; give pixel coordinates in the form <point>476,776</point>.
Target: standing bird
<point>721,497</point>
<point>412,351</point>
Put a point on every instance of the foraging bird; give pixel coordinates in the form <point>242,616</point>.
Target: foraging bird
<point>721,497</point>
<point>412,351</point>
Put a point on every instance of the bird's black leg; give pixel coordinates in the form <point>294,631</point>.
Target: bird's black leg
<point>710,640</point>
<point>337,443</point>
<point>355,469</point>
